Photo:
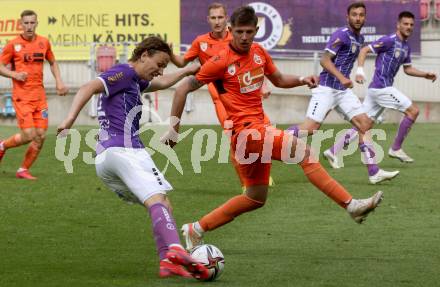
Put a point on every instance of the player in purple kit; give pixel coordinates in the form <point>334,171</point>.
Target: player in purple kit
<point>122,162</point>
<point>392,52</point>
<point>335,90</point>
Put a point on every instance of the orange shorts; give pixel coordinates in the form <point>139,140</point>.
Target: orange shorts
<point>31,114</point>
<point>254,149</point>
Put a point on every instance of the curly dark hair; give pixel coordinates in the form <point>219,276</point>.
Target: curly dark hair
<point>152,45</point>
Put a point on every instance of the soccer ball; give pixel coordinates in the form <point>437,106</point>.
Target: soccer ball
<point>211,257</point>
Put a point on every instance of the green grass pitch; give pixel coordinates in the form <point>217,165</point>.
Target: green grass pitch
<point>69,230</point>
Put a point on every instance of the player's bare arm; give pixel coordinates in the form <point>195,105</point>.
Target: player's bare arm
<point>61,88</point>
<point>169,80</point>
<point>188,85</point>
<point>360,73</point>
<point>178,60</point>
<point>19,76</point>
<point>411,71</point>
<point>290,81</point>
<point>81,98</point>
<point>326,63</point>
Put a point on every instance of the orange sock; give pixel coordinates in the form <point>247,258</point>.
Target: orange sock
<point>30,156</point>
<point>319,177</point>
<point>228,211</point>
<point>12,141</point>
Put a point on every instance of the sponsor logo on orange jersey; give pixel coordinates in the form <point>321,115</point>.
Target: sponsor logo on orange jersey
<point>203,46</point>
<point>251,80</point>
<point>231,69</point>
<point>257,59</point>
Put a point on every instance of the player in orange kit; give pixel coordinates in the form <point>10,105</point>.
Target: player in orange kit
<point>238,72</point>
<point>208,45</point>
<point>26,54</point>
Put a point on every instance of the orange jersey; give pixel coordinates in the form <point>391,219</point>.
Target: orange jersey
<point>238,79</point>
<point>205,46</point>
<point>28,56</point>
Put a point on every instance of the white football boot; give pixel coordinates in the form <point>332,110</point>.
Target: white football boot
<point>359,209</point>
<point>400,155</point>
<point>192,237</point>
<point>383,175</point>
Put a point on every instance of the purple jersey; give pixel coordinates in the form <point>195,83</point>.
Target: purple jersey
<point>119,108</point>
<point>345,45</point>
<point>391,54</point>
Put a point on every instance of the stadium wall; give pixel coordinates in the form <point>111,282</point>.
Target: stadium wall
<point>283,106</point>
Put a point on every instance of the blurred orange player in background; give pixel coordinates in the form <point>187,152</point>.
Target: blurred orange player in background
<point>26,54</point>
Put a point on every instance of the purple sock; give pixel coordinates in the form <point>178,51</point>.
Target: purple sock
<point>294,130</point>
<point>368,154</point>
<point>405,126</point>
<point>164,228</point>
<point>344,141</point>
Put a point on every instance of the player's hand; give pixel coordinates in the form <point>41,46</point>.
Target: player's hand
<point>347,83</point>
<point>311,81</point>
<point>265,90</point>
<point>62,89</point>
<point>192,69</point>
<point>359,79</point>
<point>20,76</point>
<point>360,75</point>
<point>266,94</point>
<point>63,128</point>
<point>431,76</point>
<point>170,138</point>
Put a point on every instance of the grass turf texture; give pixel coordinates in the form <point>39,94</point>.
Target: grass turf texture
<point>69,230</point>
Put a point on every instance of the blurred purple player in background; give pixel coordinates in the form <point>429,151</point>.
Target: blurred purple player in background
<point>335,91</point>
<point>392,52</point>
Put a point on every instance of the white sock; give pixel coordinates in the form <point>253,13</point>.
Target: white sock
<point>21,169</point>
<point>198,228</point>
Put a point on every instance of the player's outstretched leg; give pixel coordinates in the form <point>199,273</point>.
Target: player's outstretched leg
<point>358,209</point>
<point>193,232</point>
<point>174,260</point>
<point>318,176</point>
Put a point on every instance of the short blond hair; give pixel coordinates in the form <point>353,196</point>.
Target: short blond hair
<point>217,5</point>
